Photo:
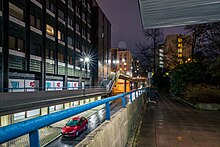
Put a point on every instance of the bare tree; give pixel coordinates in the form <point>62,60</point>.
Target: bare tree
<point>204,38</point>
<point>154,37</point>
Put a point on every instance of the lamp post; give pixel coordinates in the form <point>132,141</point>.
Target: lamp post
<point>115,62</point>
<point>84,60</point>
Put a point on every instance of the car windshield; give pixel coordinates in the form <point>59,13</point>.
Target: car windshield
<point>72,123</point>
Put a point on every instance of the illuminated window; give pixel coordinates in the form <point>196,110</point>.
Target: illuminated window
<point>59,35</point>
<point>179,39</point>
<point>180,45</point>
<point>16,11</point>
<point>180,55</point>
<point>180,50</point>
<point>50,30</point>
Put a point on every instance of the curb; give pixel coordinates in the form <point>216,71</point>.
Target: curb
<point>137,131</point>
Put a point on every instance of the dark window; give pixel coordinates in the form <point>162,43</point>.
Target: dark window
<point>40,1</point>
<point>70,60</point>
<point>70,40</point>
<point>70,3</point>
<point>83,16</point>
<point>12,42</point>
<point>49,54</point>
<point>20,44</point>
<point>70,21</point>
<point>36,22</point>
<point>60,57</point>
<point>61,14</point>
<point>16,11</point>
<point>50,5</point>
<point>35,49</point>
<point>16,43</point>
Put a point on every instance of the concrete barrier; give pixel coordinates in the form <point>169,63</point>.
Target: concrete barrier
<point>117,131</point>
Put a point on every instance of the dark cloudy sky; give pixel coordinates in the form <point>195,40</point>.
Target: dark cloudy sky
<point>126,23</point>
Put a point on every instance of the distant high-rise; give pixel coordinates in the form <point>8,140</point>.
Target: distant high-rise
<point>121,60</point>
<point>176,50</point>
<point>101,39</point>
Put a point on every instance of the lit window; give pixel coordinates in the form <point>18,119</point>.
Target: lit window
<point>59,35</point>
<point>180,55</point>
<point>179,39</point>
<point>50,30</point>
<point>180,50</point>
<point>16,11</point>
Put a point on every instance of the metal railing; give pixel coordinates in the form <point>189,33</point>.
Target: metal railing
<point>32,126</point>
<point>31,89</point>
<point>11,100</point>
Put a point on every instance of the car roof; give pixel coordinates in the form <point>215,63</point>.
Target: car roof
<point>77,118</point>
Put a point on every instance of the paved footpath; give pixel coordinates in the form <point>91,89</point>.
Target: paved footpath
<point>172,124</point>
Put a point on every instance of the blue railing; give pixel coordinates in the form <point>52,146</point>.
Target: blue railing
<point>31,126</point>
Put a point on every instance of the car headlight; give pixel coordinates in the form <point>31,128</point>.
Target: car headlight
<point>71,132</point>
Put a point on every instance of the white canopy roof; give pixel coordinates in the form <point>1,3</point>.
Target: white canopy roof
<point>167,13</point>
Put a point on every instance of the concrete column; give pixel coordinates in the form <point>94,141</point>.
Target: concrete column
<point>125,85</point>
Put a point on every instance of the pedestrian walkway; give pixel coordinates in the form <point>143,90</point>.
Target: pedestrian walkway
<point>172,124</point>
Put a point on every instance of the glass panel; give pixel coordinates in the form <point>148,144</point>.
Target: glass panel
<point>15,11</point>
<point>11,42</point>
<point>20,45</point>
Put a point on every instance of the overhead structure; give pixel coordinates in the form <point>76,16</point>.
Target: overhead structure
<point>168,13</point>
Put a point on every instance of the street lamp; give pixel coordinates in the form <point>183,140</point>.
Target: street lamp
<point>85,60</point>
<point>115,62</point>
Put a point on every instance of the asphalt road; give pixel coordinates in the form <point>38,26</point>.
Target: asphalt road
<point>94,121</point>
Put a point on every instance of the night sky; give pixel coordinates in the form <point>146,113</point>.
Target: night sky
<point>126,22</point>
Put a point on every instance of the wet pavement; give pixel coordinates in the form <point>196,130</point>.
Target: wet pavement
<point>172,124</point>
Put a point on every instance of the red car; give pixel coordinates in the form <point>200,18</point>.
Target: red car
<point>75,126</point>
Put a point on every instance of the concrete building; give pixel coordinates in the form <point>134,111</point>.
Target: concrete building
<point>44,43</point>
<point>121,60</point>
<point>101,38</point>
<point>176,51</point>
<point>160,56</point>
<point>136,67</point>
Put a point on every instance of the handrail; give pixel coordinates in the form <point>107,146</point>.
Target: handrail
<point>31,126</point>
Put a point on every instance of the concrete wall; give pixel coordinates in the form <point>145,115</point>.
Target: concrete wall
<point>117,131</point>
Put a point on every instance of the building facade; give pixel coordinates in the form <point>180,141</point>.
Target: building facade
<point>176,51</point>
<point>44,43</point>
<point>121,60</point>
<point>101,38</point>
